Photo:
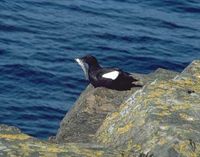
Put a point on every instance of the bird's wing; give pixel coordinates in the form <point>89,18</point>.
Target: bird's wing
<point>111,74</point>
<point>126,74</point>
<point>114,74</point>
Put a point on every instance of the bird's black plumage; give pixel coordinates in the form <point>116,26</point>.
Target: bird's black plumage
<point>100,77</point>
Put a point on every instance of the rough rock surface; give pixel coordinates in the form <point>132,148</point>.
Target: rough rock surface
<point>13,143</point>
<point>162,119</point>
<point>92,107</point>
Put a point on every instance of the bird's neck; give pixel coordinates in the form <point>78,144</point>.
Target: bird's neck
<point>94,67</point>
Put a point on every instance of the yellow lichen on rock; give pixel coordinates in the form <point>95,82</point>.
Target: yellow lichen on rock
<point>124,129</point>
<point>188,148</point>
<point>16,144</point>
<point>163,113</point>
<point>14,136</point>
<point>186,117</point>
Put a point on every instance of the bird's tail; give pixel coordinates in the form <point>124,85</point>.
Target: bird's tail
<point>134,79</point>
<point>136,82</point>
<point>136,85</point>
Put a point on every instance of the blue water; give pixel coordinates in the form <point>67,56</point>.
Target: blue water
<point>39,39</point>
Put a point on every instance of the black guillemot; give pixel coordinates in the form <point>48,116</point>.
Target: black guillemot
<point>112,78</point>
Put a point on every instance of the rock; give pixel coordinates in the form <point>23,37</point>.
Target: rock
<point>86,116</point>
<point>13,143</point>
<point>83,120</point>
<point>162,119</point>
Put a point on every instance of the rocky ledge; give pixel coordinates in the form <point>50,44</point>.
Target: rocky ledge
<point>162,119</point>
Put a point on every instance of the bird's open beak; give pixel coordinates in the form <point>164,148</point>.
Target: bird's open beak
<point>84,66</point>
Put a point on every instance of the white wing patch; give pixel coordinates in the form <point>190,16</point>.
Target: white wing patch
<point>111,75</point>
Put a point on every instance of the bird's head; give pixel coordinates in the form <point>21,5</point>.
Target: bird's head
<point>87,62</point>
<point>90,60</point>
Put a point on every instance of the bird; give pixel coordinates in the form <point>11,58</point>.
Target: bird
<point>111,78</point>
